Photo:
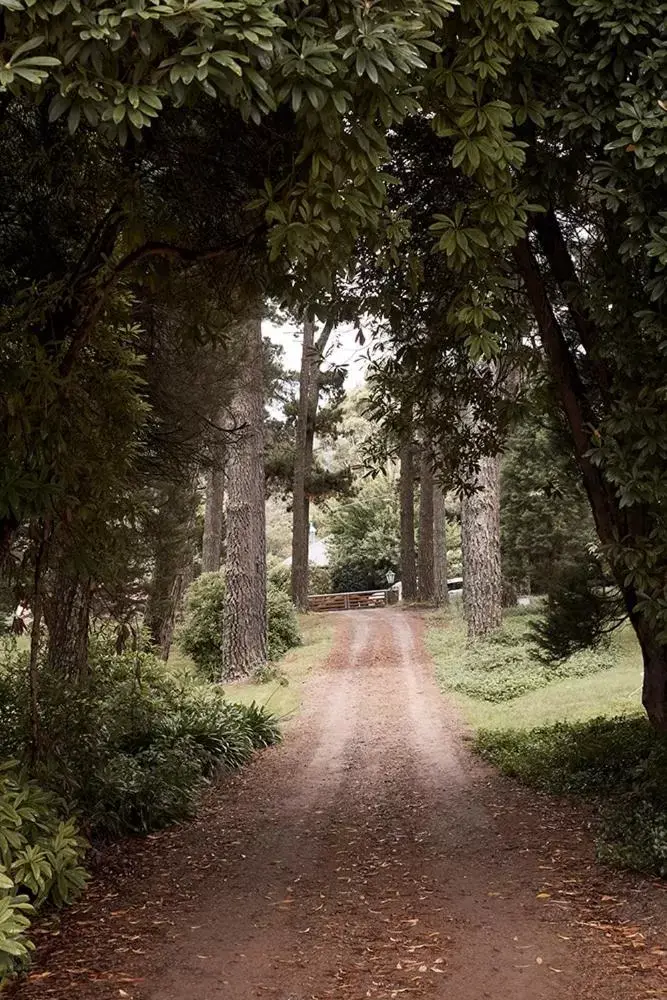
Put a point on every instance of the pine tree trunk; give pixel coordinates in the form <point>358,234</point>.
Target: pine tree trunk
<point>480,545</point>
<point>172,566</point>
<point>300,502</point>
<point>211,555</point>
<point>244,638</point>
<point>171,578</point>
<point>426,582</point>
<point>407,500</point>
<point>66,600</point>
<point>440,545</point>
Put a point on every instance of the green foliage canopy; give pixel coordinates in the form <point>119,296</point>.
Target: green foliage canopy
<point>545,520</point>
<point>363,536</point>
<point>335,67</point>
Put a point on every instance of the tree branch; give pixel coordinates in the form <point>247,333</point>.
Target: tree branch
<point>577,406</point>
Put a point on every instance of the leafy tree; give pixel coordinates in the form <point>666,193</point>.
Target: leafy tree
<point>545,519</point>
<point>363,536</point>
<point>550,182</point>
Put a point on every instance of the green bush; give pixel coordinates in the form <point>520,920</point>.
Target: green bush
<point>503,665</point>
<point>40,861</point>
<point>280,577</point>
<point>283,624</point>
<point>200,635</point>
<point>279,574</point>
<point>580,612</point>
<point>361,575</point>
<point>319,580</point>
<point>621,763</point>
<point>132,751</point>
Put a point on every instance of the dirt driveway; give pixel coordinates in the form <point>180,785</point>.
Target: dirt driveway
<point>368,856</point>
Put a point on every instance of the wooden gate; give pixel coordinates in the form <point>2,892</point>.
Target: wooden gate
<point>352,600</point>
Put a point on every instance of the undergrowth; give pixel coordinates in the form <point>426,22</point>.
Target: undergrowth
<point>126,752</point>
<point>40,861</point>
<point>620,763</point>
<point>133,750</point>
<point>504,665</point>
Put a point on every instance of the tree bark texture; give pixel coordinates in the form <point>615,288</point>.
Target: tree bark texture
<point>35,641</point>
<point>440,545</point>
<point>407,500</point>
<point>612,521</point>
<point>426,581</point>
<point>309,397</point>
<point>211,556</point>
<point>66,607</point>
<point>244,639</point>
<point>300,502</point>
<point>172,565</point>
<point>480,546</point>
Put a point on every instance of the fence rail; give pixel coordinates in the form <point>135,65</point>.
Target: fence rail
<point>352,600</point>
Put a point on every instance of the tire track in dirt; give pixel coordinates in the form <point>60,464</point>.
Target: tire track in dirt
<point>368,856</point>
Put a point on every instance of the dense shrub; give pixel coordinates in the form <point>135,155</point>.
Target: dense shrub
<point>279,574</point>
<point>283,624</point>
<point>40,861</point>
<point>360,575</point>
<point>134,748</point>
<point>200,635</point>
<point>319,580</point>
<point>621,763</point>
<point>280,577</point>
<point>580,612</point>
<point>503,665</point>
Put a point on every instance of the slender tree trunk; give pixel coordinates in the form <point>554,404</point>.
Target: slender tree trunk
<point>426,548</point>
<point>245,625</point>
<point>309,397</point>
<point>300,502</point>
<point>66,608</point>
<point>440,545</point>
<point>211,557</point>
<point>173,560</point>
<point>407,500</point>
<point>36,748</point>
<point>612,522</point>
<point>480,545</point>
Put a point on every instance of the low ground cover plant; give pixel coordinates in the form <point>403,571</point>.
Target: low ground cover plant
<point>41,855</point>
<point>620,763</point>
<point>504,665</point>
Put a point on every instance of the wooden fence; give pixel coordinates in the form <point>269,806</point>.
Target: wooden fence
<point>355,599</point>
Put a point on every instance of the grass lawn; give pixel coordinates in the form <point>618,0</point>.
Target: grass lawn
<point>612,692</point>
<point>583,734</point>
<point>283,699</point>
